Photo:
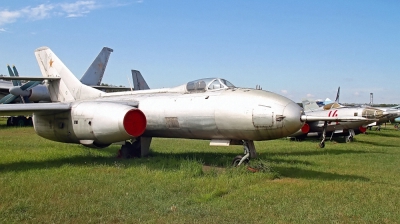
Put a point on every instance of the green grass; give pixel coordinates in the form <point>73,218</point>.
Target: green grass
<point>187,181</point>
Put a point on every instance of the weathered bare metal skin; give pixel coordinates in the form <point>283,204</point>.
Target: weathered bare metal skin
<point>210,108</point>
<point>100,122</point>
<point>223,114</point>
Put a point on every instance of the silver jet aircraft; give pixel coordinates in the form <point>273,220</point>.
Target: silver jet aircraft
<point>352,120</point>
<point>211,109</point>
<point>33,91</point>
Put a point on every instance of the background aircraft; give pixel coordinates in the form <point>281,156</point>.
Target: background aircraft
<point>354,120</point>
<point>393,114</point>
<point>138,81</point>
<point>390,113</point>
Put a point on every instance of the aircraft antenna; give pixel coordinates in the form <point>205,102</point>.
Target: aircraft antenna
<point>130,84</point>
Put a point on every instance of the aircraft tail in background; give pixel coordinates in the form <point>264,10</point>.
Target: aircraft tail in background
<point>310,105</point>
<point>95,72</point>
<point>138,81</point>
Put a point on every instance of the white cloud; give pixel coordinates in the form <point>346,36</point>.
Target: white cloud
<point>284,91</point>
<point>9,16</point>
<point>310,95</point>
<point>39,12</point>
<point>43,11</point>
<point>2,30</point>
<point>79,8</point>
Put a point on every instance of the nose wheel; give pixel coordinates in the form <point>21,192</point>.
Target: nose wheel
<point>238,160</point>
<point>249,152</point>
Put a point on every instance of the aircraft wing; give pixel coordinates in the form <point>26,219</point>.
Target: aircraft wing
<point>5,84</point>
<point>29,108</point>
<point>111,88</point>
<point>324,118</point>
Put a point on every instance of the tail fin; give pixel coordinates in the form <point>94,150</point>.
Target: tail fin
<point>334,104</point>
<point>66,89</point>
<point>14,82</point>
<point>337,95</point>
<point>138,81</point>
<point>95,72</point>
<point>310,105</point>
<point>17,75</point>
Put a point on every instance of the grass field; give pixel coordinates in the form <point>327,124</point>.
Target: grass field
<point>187,181</point>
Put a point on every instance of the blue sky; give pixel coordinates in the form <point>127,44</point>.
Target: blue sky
<point>300,49</point>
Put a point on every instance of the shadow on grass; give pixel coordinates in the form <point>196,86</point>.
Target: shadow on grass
<point>292,172</point>
<point>318,152</point>
<point>382,144</point>
<point>383,133</point>
<point>84,160</point>
<point>171,162</point>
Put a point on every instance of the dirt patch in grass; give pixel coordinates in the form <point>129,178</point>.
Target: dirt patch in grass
<point>207,169</point>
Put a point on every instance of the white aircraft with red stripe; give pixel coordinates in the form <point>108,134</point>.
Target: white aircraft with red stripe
<point>340,120</point>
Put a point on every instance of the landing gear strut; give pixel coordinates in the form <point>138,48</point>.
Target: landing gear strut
<point>138,147</point>
<point>249,152</point>
<point>130,150</point>
<point>322,143</point>
<point>350,137</point>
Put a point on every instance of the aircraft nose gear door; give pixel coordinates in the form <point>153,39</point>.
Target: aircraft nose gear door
<point>263,117</point>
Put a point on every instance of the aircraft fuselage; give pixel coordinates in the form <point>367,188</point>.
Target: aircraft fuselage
<point>235,114</point>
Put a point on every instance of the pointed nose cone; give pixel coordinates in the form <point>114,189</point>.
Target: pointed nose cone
<point>292,121</point>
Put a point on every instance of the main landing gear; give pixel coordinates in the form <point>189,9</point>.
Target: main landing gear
<point>350,137</point>
<point>249,152</point>
<point>322,143</point>
<point>131,149</point>
<point>137,147</point>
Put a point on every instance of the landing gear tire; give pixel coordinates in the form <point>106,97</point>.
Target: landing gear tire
<point>135,149</point>
<point>322,145</point>
<point>124,151</point>
<point>349,139</point>
<point>236,161</point>
<point>10,121</point>
<point>21,122</point>
<point>130,150</point>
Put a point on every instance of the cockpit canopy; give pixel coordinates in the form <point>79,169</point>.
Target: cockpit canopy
<point>208,84</point>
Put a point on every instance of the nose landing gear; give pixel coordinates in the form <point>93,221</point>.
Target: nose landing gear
<point>249,152</point>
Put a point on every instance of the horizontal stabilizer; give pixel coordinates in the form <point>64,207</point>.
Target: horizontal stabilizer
<point>28,109</point>
<point>30,78</point>
<point>111,88</point>
<point>310,105</point>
